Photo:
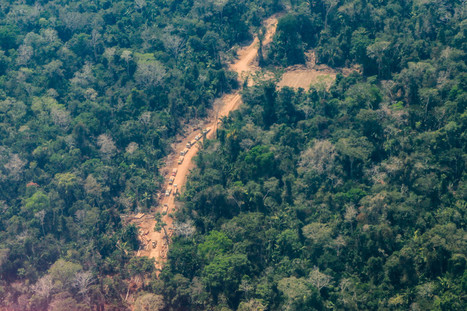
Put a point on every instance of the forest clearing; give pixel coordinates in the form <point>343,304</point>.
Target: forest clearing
<point>305,77</point>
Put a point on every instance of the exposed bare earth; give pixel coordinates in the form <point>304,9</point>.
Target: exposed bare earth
<point>246,56</point>
<point>244,65</point>
<point>311,74</point>
<point>304,78</point>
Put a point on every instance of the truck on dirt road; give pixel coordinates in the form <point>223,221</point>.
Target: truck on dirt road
<point>180,159</point>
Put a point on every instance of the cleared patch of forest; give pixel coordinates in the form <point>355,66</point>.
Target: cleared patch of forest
<point>305,78</point>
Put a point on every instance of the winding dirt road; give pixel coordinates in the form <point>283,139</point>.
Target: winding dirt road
<point>244,66</point>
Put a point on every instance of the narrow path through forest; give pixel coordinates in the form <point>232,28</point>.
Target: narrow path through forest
<point>155,243</point>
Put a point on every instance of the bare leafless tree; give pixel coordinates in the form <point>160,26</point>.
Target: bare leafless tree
<point>172,43</point>
<point>107,146</point>
<point>246,287</point>
<point>95,41</point>
<point>185,229</point>
<point>44,287</point>
<point>330,4</point>
<point>127,56</point>
<point>320,158</point>
<point>90,94</point>
<point>317,232</point>
<point>82,282</point>
<point>41,216</point>
<point>3,255</point>
<point>319,279</point>
<point>150,74</point>
<point>25,52</point>
<point>92,187</point>
<point>109,54</point>
<point>131,148</point>
<point>338,243</point>
<point>149,302</point>
<point>3,208</point>
<point>294,289</point>
<point>350,214</point>
<point>15,166</point>
<point>84,77</point>
<point>73,20</point>
<point>145,118</point>
<point>140,4</point>
<point>60,117</point>
<point>251,305</point>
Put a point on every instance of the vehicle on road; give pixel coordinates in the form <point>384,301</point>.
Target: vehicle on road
<point>180,159</point>
<point>168,191</point>
<point>174,172</point>
<point>171,180</point>
<point>198,137</point>
<point>184,151</point>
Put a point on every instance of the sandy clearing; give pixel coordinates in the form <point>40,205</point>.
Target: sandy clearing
<point>304,78</point>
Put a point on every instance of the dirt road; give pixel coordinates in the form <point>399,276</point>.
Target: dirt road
<point>247,55</point>
<point>244,65</point>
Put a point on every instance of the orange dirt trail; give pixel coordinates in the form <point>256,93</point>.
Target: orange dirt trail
<point>244,65</point>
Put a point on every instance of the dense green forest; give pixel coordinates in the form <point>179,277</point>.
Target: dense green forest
<point>349,198</point>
